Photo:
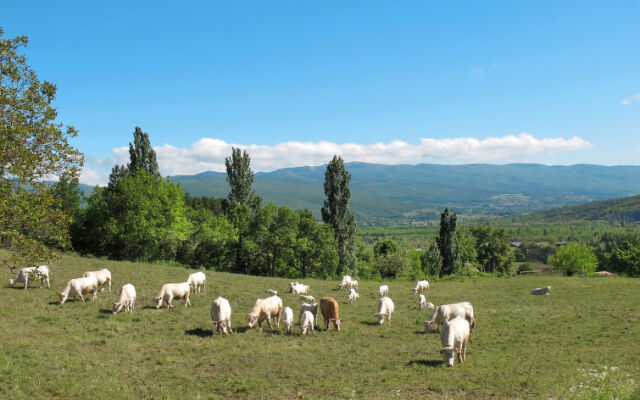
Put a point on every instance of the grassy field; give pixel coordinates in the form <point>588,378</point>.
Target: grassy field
<point>525,346</point>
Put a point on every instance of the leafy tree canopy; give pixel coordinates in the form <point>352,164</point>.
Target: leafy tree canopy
<point>574,258</point>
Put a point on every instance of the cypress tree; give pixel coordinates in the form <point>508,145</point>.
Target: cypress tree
<point>337,214</point>
<point>448,243</point>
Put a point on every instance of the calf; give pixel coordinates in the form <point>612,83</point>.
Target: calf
<point>330,312</point>
<point>79,286</point>
<point>221,315</point>
<point>353,296</point>
<point>454,337</point>
<point>422,301</point>
<point>287,319</point>
<point>126,300</point>
<point>24,274</point>
<point>306,322</point>
<point>170,291</point>
<point>305,297</point>
<point>385,309</point>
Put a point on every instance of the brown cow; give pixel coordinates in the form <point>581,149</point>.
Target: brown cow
<point>330,309</point>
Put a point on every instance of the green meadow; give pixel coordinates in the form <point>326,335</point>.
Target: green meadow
<point>524,346</point>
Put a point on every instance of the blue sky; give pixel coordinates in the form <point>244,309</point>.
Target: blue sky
<point>391,82</point>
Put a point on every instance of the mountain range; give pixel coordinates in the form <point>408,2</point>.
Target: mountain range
<point>416,194</point>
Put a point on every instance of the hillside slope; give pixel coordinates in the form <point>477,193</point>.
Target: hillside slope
<point>415,193</point>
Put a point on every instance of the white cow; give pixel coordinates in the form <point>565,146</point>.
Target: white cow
<point>345,284</point>
<point>264,309</point>
<point>33,273</point>
<point>541,290</point>
<point>353,296</point>
<point>272,292</point>
<point>307,322</point>
<point>298,288</point>
<point>385,309</point>
<point>79,286</point>
<point>287,319</point>
<point>103,276</point>
<point>446,312</point>
<point>454,337</point>
<point>221,315</point>
<point>383,291</point>
<point>305,297</point>
<point>197,281</point>
<point>430,305</point>
<point>422,301</point>
<point>170,291</point>
<point>353,285</point>
<point>126,300</point>
<point>312,308</point>
<point>421,287</point>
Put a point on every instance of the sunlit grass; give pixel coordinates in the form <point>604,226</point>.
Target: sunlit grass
<point>525,346</point>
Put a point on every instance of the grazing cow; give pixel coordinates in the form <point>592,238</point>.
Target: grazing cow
<point>353,296</point>
<point>305,297</point>
<point>422,301</point>
<point>298,288</point>
<point>312,308</point>
<point>454,337</point>
<point>287,319</point>
<point>24,274</point>
<point>385,309</point>
<point>430,305</point>
<point>264,309</point>
<point>446,312</point>
<point>541,290</point>
<point>221,315</point>
<point>353,285</point>
<point>197,281</point>
<point>103,276</point>
<point>306,322</point>
<point>421,287</point>
<point>126,300</point>
<point>383,291</point>
<point>330,312</point>
<point>272,292</point>
<point>345,284</point>
<point>170,291</point>
<point>79,286</point>
<point>604,273</point>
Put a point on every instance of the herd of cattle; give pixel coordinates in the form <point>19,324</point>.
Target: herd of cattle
<point>457,320</point>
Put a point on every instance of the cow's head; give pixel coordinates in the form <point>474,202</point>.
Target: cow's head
<point>158,301</point>
<point>336,322</point>
<point>63,297</point>
<point>380,317</point>
<point>449,354</point>
<point>251,320</point>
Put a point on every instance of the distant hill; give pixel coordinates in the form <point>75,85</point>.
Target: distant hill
<point>624,210</point>
<point>418,193</point>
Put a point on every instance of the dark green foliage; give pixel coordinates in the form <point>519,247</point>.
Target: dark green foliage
<point>210,241</point>
<point>215,205</point>
<point>117,172</point>
<point>392,265</point>
<point>431,261</point>
<point>447,242</point>
<point>493,249</point>
<point>338,215</point>
<point>624,259</point>
<point>466,244</point>
<point>240,178</point>
<point>141,154</point>
<point>385,247</point>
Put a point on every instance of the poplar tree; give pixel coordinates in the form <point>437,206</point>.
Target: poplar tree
<point>240,178</point>
<point>338,215</point>
<point>141,154</point>
<point>448,243</point>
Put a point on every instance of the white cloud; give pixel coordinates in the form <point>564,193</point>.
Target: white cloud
<point>208,154</point>
<point>477,71</point>
<point>628,100</point>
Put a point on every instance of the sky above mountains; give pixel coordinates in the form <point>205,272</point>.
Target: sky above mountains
<point>410,82</point>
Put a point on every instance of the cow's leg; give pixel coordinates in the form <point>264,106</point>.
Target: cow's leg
<point>169,305</point>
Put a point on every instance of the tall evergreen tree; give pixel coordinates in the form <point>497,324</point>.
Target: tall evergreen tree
<point>240,178</point>
<point>141,154</point>
<point>336,213</point>
<point>448,243</point>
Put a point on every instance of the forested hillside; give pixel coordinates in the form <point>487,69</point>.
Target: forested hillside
<point>418,193</point>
